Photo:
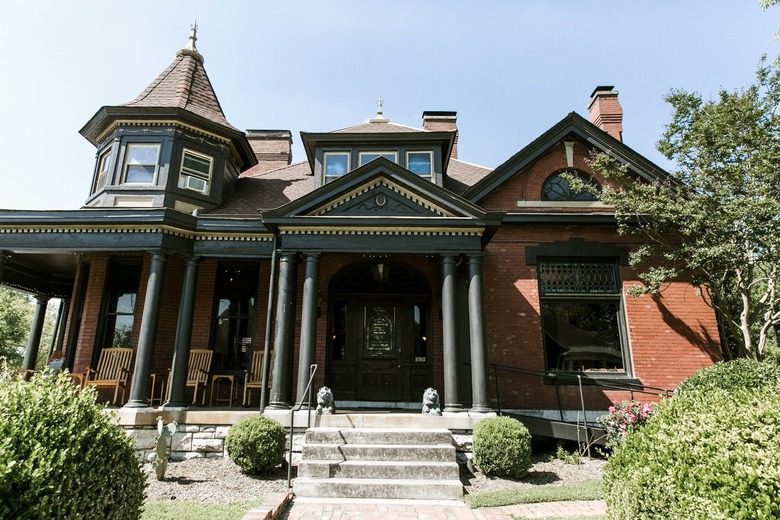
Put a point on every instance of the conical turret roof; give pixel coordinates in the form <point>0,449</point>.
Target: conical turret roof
<point>184,84</point>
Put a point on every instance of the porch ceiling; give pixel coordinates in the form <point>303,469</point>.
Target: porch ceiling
<point>47,274</point>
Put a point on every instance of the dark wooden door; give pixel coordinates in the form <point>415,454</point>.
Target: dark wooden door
<point>381,343</point>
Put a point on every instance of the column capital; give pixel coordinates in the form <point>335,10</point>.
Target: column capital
<point>41,299</point>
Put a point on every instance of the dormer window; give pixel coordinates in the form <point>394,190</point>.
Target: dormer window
<point>366,157</point>
<point>195,173</point>
<point>558,188</point>
<point>102,171</point>
<point>141,163</point>
<point>336,165</point>
<point>420,163</point>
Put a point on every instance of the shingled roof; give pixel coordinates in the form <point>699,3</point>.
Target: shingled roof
<point>184,84</point>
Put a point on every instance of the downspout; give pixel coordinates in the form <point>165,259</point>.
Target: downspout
<point>269,319</point>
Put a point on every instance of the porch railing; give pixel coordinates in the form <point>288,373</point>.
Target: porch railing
<point>296,408</point>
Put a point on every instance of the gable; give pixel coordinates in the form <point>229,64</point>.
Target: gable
<point>379,198</point>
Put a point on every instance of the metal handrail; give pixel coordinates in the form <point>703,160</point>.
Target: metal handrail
<point>296,408</point>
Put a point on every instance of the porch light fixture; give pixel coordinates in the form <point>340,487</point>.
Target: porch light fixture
<point>381,273</point>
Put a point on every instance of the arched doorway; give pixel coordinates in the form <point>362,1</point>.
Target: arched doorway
<point>379,333</point>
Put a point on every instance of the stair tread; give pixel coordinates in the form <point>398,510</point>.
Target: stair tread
<point>389,481</point>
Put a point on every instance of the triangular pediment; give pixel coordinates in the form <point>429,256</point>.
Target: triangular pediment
<point>380,189</point>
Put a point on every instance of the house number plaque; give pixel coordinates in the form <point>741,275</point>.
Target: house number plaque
<point>379,331</point>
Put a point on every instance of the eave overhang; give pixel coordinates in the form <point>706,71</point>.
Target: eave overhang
<point>574,127</point>
<point>108,118</point>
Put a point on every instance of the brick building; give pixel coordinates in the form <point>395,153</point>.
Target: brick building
<point>381,257</point>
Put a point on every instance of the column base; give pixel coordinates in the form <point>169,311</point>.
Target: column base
<point>175,406</point>
<point>136,403</point>
<point>277,406</point>
<point>454,408</point>
<point>481,410</point>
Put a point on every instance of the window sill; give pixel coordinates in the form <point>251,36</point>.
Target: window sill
<point>588,379</point>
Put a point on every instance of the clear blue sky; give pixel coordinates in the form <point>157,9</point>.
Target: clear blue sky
<point>511,69</point>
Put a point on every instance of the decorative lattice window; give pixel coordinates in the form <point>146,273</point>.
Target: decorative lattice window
<point>558,188</point>
<point>577,278</point>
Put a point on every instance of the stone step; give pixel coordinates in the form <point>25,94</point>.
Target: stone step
<point>387,452</point>
<point>378,488</point>
<point>379,469</point>
<point>400,436</point>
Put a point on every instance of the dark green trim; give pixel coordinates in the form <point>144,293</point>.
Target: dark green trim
<point>576,248</point>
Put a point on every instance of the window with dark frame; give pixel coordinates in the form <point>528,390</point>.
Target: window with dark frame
<point>582,317</point>
<point>558,188</point>
<point>141,163</point>
<point>195,171</point>
<point>102,171</point>
<point>420,163</point>
<point>235,310</point>
<point>118,318</point>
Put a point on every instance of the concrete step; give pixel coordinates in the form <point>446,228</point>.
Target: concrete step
<point>401,436</point>
<point>378,488</point>
<point>429,452</point>
<point>379,470</point>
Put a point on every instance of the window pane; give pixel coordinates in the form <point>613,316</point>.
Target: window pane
<point>557,188</point>
<point>582,335</point>
<point>140,174</point>
<point>336,164</point>
<point>577,278</point>
<point>233,331</point>
<point>123,330</point>
<point>365,158</point>
<point>142,153</point>
<point>420,163</point>
<point>197,164</point>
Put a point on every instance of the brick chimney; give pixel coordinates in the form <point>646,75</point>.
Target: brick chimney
<point>605,111</point>
<point>273,148</point>
<point>436,121</point>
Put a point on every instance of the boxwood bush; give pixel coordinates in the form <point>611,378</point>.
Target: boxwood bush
<point>732,375</point>
<point>703,455</point>
<point>61,456</point>
<point>256,444</point>
<point>502,447</point>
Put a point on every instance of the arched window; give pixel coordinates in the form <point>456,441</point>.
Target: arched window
<point>557,187</point>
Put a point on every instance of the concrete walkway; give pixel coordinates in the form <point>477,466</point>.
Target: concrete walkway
<point>332,509</point>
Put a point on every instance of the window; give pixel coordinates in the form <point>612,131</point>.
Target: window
<point>366,157</point>
<point>336,165</point>
<point>235,311</point>
<point>582,317</point>
<point>141,163</point>
<point>124,275</point>
<point>419,163</point>
<point>557,187</point>
<point>102,171</point>
<point>195,171</point>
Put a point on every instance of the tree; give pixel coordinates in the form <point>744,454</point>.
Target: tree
<point>716,219</point>
<point>15,319</point>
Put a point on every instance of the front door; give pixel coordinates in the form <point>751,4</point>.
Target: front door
<point>379,367</point>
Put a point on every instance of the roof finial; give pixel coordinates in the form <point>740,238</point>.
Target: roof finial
<point>379,104</point>
<point>193,36</point>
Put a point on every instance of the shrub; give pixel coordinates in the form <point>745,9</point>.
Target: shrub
<point>502,447</point>
<point>256,444</point>
<point>703,455</point>
<point>61,456</point>
<point>731,375</point>
<point>623,418</point>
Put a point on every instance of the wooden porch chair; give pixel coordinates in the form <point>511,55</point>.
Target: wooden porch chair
<point>253,378</point>
<point>53,366</point>
<point>112,371</point>
<point>198,370</point>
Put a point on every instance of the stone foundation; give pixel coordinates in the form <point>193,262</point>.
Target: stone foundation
<point>190,441</point>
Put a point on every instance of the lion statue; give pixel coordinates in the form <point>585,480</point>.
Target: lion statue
<point>430,404</point>
<point>326,405</point>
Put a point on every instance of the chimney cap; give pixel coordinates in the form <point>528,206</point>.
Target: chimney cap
<point>268,134</point>
<point>440,114</point>
<point>603,88</point>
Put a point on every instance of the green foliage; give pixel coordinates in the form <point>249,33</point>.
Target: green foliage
<point>61,456</point>
<point>167,509</point>
<point>624,418</point>
<point>15,318</point>
<point>256,444</point>
<point>732,375</point>
<point>502,447</point>
<point>711,454</point>
<point>715,220</point>
<point>567,457</point>
<point>585,490</point>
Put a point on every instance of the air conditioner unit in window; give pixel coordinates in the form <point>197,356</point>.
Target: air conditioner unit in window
<point>195,183</point>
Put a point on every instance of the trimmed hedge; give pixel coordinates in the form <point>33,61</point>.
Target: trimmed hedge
<point>61,456</point>
<point>256,444</point>
<point>502,447</point>
<point>732,375</point>
<point>704,455</point>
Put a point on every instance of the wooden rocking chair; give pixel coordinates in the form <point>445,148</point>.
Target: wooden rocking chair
<point>198,370</point>
<point>253,378</point>
<point>112,371</point>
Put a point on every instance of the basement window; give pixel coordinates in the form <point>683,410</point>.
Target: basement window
<point>195,171</point>
<point>582,317</point>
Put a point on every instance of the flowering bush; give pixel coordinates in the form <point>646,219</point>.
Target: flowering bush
<point>623,418</point>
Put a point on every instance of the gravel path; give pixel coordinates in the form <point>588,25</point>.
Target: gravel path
<point>218,480</point>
